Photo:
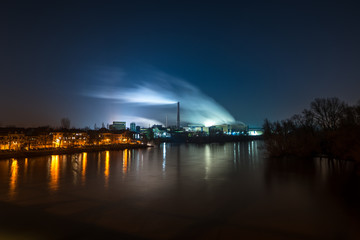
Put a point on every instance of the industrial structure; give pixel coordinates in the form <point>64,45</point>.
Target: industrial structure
<point>133,127</point>
<point>178,116</point>
<point>118,125</point>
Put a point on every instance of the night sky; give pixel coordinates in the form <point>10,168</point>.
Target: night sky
<point>256,59</point>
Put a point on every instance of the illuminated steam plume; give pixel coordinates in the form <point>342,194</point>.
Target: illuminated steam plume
<point>162,90</point>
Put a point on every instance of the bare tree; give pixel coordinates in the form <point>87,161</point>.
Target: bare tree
<point>328,112</point>
<point>65,123</point>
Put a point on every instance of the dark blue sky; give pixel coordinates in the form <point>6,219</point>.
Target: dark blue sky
<point>257,59</point>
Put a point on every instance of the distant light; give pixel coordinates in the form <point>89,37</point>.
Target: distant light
<point>209,123</point>
<point>144,95</point>
<point>255,133</point>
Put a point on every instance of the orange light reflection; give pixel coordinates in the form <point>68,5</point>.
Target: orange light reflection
<point>26,167</point>
<point>125,160</point>
<point>54,173</point>
<point>14,173</point>
<point>106,172</point>
<point>84,162</point>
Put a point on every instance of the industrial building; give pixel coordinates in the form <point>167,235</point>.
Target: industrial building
<point>133,127</point>
<point>118,126</point>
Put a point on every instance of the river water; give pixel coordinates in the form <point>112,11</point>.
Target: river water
<point>185,191</point>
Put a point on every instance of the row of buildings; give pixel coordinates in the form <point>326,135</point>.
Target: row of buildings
<point>35,139</point>
<point>117,133</point>
<point>196,130</point>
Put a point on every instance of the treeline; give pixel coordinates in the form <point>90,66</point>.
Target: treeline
<point>329,128</point>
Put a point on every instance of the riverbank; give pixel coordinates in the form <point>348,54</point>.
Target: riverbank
<point>37,153</point>
<point>330,128</point>
<point>182,138</point>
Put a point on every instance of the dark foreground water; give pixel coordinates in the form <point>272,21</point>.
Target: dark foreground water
<point>210,191</point>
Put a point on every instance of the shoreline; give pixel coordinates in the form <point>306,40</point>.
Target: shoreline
<point>38,153</point>
<point>208,139</point>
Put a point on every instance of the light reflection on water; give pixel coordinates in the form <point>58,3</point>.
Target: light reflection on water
<point>14,171</point>
<point>107,168</point>
<point>207,161</point>
<point>164,159</point>
<point>83,170</point>
<point>53,172</point>
<point>76,167</point>
<point>125,161</point>
<point>214,159</point>
<point>229,178</point>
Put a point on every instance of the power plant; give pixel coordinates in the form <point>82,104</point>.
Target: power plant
<point>233,128</point>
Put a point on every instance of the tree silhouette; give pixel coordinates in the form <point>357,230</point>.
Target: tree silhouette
<point>328,112</point>
<point>65,123</point>
<point>329,128</point>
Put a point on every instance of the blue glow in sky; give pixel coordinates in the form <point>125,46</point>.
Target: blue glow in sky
<point>250,60</point>
<point>156,97</point>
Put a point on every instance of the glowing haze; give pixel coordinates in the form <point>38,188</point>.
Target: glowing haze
<point>153,97</point>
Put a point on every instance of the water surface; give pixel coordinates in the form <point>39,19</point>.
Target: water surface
<point>187,191</point>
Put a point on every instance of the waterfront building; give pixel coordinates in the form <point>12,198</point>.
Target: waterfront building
<point>133,127</point>
<point>160,132</point>
<point>64,139</point>
<point>118,125</point>
<point>255,131</point>
<point>21,139</point>
<point>12,141</point>
<point>138,129</point>
<point>197,128</point>
<point>237,128</point>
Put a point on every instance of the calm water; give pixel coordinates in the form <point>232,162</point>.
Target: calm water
<point>188,191</point>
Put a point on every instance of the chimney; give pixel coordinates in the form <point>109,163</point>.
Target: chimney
<point>178,116</point>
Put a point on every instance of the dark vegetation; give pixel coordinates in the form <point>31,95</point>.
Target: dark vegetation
<point>330,128</point>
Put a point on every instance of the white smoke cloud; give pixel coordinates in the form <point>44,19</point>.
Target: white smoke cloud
<point>160,89</point>
<point>140,121</point>
<point>139,94</point>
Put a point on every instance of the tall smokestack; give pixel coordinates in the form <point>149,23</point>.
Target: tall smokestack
<point>178,116</point>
